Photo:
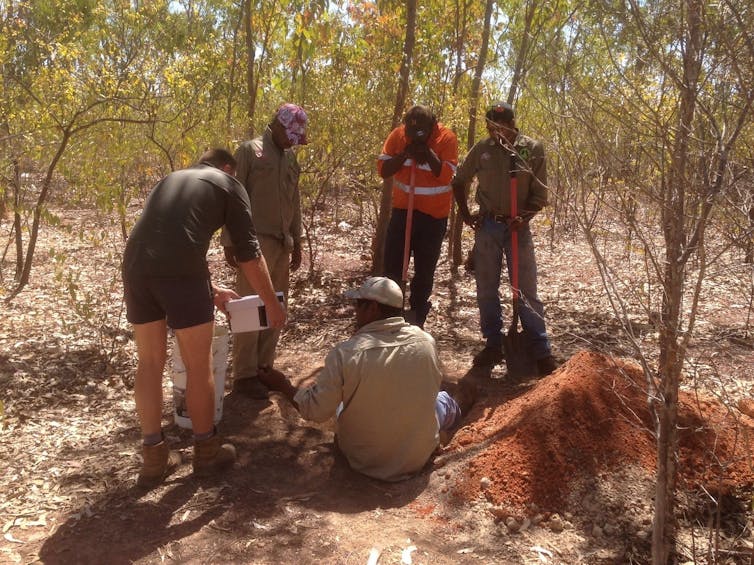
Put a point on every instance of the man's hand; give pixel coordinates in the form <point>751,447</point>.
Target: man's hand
<point>230,256</point>
<point>276,315</point>
<point>471,220</point>
<point>296,256</point>
<point>419,152</point>
<point>275,380</point>
<point>515,224</point>
<point>221,296</point>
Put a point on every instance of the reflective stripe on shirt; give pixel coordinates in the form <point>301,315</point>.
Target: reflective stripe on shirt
<point>423,190</point>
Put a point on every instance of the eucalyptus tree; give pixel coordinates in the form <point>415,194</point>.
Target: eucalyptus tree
<point>455,248</point>
<point>344,125</point>
<point>401,96</point>
<point>649,110</point>
<point>56,89</point>
<point>85,83</point>
<point>270,26</point>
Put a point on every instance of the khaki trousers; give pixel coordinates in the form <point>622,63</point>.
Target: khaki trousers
<point>252,350</point>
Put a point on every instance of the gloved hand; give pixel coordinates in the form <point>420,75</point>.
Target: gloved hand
<point>418,151</point>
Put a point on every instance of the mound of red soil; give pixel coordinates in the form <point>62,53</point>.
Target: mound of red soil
<point>588,417</point>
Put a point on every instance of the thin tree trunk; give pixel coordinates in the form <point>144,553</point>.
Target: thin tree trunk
<point>23,280</point>
<point>378,244</point>
<point>17,234</point>
<point>251,81</point>
<point>522,55</point>
<point>456,227</point>
<point>233,65</point>
<point>671,355</point>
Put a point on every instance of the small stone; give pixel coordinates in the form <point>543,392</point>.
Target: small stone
<point>525,524</point>
<point>499,513</point>
<point>555,523</point>
<point>485,483</point>
<point>538,519</point>
<point>512,525</point>
<point>746,405</point>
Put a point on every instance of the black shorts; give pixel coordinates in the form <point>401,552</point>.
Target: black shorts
<point>184,301</point>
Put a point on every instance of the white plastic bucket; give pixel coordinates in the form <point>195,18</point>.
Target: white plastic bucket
<point>219,366</point>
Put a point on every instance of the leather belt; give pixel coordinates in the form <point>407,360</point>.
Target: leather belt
<point>499,218</point>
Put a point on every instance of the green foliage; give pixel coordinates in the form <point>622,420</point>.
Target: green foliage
<point>103,98</point>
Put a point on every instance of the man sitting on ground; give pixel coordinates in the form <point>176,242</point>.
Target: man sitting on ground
<point>383,386</point>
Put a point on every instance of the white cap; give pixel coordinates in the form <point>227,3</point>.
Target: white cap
<point>380,289</point>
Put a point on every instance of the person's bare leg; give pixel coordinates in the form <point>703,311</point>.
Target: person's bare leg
<point>196,351</point>
<point>211,454</point>
<point>151,346</point>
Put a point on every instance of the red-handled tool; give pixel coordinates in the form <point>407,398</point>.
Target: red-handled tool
<point>409,222</point>
<point>519,358</point>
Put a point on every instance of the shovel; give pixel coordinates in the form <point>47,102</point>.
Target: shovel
<point>519,358</point>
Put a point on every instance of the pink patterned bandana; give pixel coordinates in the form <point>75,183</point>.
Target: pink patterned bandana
<point>293,119</point>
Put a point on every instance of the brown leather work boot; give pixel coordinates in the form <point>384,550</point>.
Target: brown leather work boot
<point>212,455</point>
<point>546,365</point>
<point>159,462</point>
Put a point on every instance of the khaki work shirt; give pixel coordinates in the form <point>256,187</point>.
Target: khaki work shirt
<point>387,376</point>
<point>270,176</point>
<point>491,164</point>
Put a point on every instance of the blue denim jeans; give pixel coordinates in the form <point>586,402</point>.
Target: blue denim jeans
<point>492,241</point>
<point>427,234</point>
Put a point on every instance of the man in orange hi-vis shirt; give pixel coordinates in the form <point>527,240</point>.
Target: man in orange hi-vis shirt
<point>422,155</point>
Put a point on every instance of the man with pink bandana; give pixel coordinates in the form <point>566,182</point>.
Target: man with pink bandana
<point>268,169</point>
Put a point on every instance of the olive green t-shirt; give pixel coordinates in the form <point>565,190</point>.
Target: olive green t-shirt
<point>491,163</point>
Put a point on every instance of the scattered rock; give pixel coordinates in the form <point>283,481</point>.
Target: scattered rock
<point>555,523</point>
<point>746,406</point>
<point>499,513</point>
<point>512,525</point>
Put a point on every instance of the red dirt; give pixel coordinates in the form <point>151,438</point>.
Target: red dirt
<point>588,417</point>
